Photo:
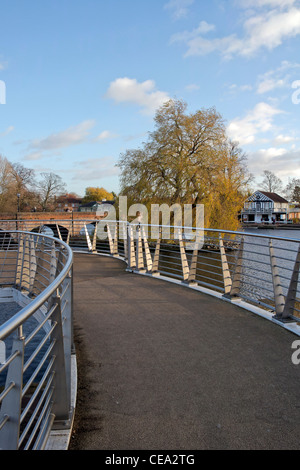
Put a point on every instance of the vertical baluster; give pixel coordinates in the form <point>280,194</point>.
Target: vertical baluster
<point>277,286</point>
<point>184,263</point>
<point>225,268</point>
<point>11,404</point>
<point>237,276</point>
<point>155,265</point>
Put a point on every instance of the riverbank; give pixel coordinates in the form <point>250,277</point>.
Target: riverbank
<point>272,227</point>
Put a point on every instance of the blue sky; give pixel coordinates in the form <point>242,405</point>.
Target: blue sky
<point>83,79</point>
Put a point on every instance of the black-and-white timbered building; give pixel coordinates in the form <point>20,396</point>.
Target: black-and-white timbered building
<point>265,207</point>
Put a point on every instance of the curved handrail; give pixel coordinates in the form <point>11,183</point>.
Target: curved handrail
<point>10,325</point>
<point>36,377</point>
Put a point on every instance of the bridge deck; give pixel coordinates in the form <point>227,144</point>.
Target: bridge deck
<point>165,367</point>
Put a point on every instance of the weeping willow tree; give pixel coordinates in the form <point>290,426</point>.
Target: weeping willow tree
<point>188,159</point>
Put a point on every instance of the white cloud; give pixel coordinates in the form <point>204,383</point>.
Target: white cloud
<point>94,169</point>
<point>179,8</point>
<point>3,65</point>
<point>192,87</point>
<point>269,84</point>
<point>7,131</point>
<point>264,29</point>
<point>284,163</point>
<point>145,95</point>
<point>233,87</point>
<point>257,121</point>
<point>283,139</point>
<point>72,136</point>
<point>266,3</point>
<point>278,78</point>
<point>272,152</point>
<point>203,28</point>
<point>105,135</point>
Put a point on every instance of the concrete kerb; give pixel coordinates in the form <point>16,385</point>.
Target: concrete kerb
<point>60,439</point>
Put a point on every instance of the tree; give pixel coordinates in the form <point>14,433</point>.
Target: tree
<point>226,198</point>
<point>296,194</point>
<point>187,159</point>
<point>271,182</point>
<point>6,185</point>
<point>23,184</point>
<point>291,191</point>
<point>97,194</point>
<point>50,186</point>
<point>16,186</point>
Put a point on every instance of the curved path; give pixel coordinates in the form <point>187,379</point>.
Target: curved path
<point>165,367</point>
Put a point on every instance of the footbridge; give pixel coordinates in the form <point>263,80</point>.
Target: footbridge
<point>130,336</point>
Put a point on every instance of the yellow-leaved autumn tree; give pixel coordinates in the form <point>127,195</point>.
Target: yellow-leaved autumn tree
<point>97,194</point>
<point>188,159</point>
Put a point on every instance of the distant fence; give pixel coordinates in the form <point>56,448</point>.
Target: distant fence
<point>37,341</point>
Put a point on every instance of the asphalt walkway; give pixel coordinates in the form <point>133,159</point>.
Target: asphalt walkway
<point>165,367</point>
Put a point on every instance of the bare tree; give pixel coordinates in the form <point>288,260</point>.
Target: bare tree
<point>48,187</point>
<point>291,191</point>
<point>16,183</point>
<point>271,182</point>
<point>6,185</point>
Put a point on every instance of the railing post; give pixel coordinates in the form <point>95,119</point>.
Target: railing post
<point>124,236</point>
<point>115,242</point>
<point>236,282</point>
<point>58,232</point>
<point>277,287</point>
<point>155,263</point>
<point>225,268</point>
<point>130,249</point>
<point>61,395</point>
<point>94,246</point>
<point>67,325</point>
<point>33,265</point>
<point>53,264</point>
<point>193,266</point>
<point>110,240</point>
<point>88,240</point>
<point>287,314</point>
<point>147,252</point>
<point>11,404</point>
<point>19,267</point>
<point>184,263</point>
<point>139,251</point>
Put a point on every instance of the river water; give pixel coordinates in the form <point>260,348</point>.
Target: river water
<point>284,233</point>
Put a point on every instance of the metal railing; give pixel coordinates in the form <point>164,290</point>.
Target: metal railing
<point>261,270</point>
<point>37,341</point>
<point>258,270</point>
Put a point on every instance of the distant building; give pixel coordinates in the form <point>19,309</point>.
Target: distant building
<point>294,212</point>
<point>265,207</point>
<point>68,203</point>
<point>96,206</point>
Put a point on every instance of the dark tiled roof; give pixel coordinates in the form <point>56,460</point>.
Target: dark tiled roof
<point>266,196</point>
<point>274,196</point>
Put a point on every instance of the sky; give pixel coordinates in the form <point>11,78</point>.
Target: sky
<point>81,80</point>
